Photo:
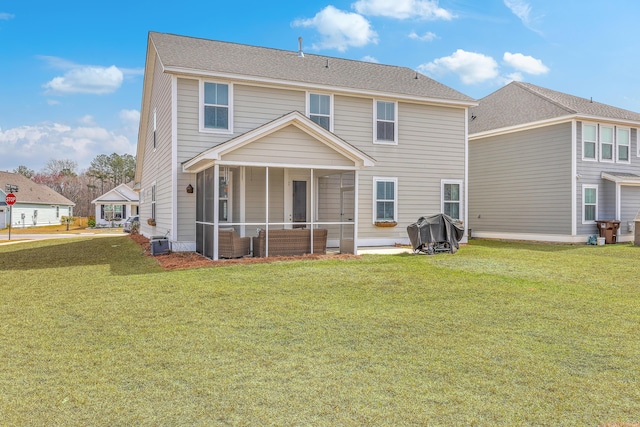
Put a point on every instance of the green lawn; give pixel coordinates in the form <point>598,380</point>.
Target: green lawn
<point>93,333</point>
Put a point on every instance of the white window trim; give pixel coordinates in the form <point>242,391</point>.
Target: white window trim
<point>595,158</point>
<point>375,123</point>
<point>155,127</point>
<point>201,108</point>
<point>613,143</point>
<point>154,196</point>
<point>585,186</point>
<point>308,107</point>
<point>460,202</point>
<point>374,197</point>
<point>628,161</point>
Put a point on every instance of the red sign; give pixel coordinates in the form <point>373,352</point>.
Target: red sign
<point>10,199</point>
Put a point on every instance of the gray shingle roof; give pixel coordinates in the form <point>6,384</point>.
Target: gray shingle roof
<point>180,52</point>
<point>519,103</point>
<point>30,192</point>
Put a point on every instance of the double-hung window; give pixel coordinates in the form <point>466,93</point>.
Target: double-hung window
<point>153,201</point>
<point>385,200</point>
<point>589,141</point>
<point>606,143</point>
<point>320,110</point>
<point>452,199</point>
<point>589,203</point>
<point>216,107</point>
<point>623,138</point>
<point>386,129</point>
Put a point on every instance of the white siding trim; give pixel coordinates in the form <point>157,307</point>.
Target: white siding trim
<point>574,177</point>
<point>174,157</point>
<point>466,175</point>
<point>559,238</point>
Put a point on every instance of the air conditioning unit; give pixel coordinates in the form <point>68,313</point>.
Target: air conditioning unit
<point>159,246</point>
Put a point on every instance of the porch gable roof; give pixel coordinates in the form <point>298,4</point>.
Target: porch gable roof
<point>295,118</point>
<point>121,193</point>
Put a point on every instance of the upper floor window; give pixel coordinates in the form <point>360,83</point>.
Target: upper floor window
<point>320,110</point>
<point>589,141</point>
<point>385,199</point>
<point>451,198</point>
<point>386,129</point>
<point>606,143</point>
<point>216,107</point>
<point>623,138</point>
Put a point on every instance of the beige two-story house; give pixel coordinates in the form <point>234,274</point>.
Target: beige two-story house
<point>262,140</point>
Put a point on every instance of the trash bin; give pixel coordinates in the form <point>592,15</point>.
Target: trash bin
<point>608,228</point>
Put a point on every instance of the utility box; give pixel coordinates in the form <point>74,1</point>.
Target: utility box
<point>159,246</point>
<point>608,228</point>
<point>636,235</point>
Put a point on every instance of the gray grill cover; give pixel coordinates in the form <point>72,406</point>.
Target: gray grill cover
<point>433,230</point>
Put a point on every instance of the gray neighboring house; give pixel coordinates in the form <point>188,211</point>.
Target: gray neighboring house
<point>36,205</point>
<point>545,165</point>
<point>255,138</point>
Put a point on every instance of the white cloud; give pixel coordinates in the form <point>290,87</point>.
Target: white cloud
<point>517,76</point>
<point>524,63</point>
<point>522,10</point>
<point>426,37</point>
<point>87,79</point>
<point>403,9</point>
<point>34,146</point>
<point>87,120</point>
<point>130,116</point>
<point>6,16</point>
<point>471,67</point>
<point>340,30</point>
<point>369,58</point>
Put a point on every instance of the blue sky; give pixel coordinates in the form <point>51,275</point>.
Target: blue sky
<point>71,71</point>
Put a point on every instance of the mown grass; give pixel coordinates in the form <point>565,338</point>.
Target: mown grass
<point>93,333</point>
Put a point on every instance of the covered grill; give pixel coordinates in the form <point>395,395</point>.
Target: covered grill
<point>436,233</point>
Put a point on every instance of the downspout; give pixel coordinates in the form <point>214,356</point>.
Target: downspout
<point>574,178</point>
<point>466,173</point>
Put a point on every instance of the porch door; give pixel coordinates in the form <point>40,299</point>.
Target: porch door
<point>299,207</point>
<point>347,214</point>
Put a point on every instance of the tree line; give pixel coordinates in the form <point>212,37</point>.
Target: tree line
<point>81,187</point>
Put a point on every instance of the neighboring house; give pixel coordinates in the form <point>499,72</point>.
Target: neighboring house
<point>544,165</point>
<point>116,205</point>
<point>255,138</point>
<point>36,204</point>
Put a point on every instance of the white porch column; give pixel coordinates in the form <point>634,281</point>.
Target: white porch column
<point>216,208</point>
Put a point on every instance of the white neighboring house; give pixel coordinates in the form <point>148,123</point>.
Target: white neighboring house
<point>116,205</point>
<point>36,204</point>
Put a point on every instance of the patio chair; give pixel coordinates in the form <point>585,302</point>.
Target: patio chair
<point>230,245</point>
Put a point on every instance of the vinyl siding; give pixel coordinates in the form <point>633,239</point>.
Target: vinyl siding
<point>289,144</point>
<point>590,172</point>
<point>629,208</point>
<point>157,162</point>
<point>430,148</point>
<point>521,182</point>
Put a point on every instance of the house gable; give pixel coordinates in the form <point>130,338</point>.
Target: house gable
<point>292,140</point>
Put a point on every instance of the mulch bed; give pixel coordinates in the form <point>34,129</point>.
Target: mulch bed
<point>184,260</point>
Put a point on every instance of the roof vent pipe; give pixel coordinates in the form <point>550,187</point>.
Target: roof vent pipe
<point>300,52</point>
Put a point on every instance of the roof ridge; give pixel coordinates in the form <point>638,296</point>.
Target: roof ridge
<point>528,88</point>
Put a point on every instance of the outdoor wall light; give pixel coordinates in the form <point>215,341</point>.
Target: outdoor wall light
<point>189,189</point>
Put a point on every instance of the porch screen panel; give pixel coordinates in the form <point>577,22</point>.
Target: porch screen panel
<point>209,182</point>
<point>199,196</point>
<point>199,239</point>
